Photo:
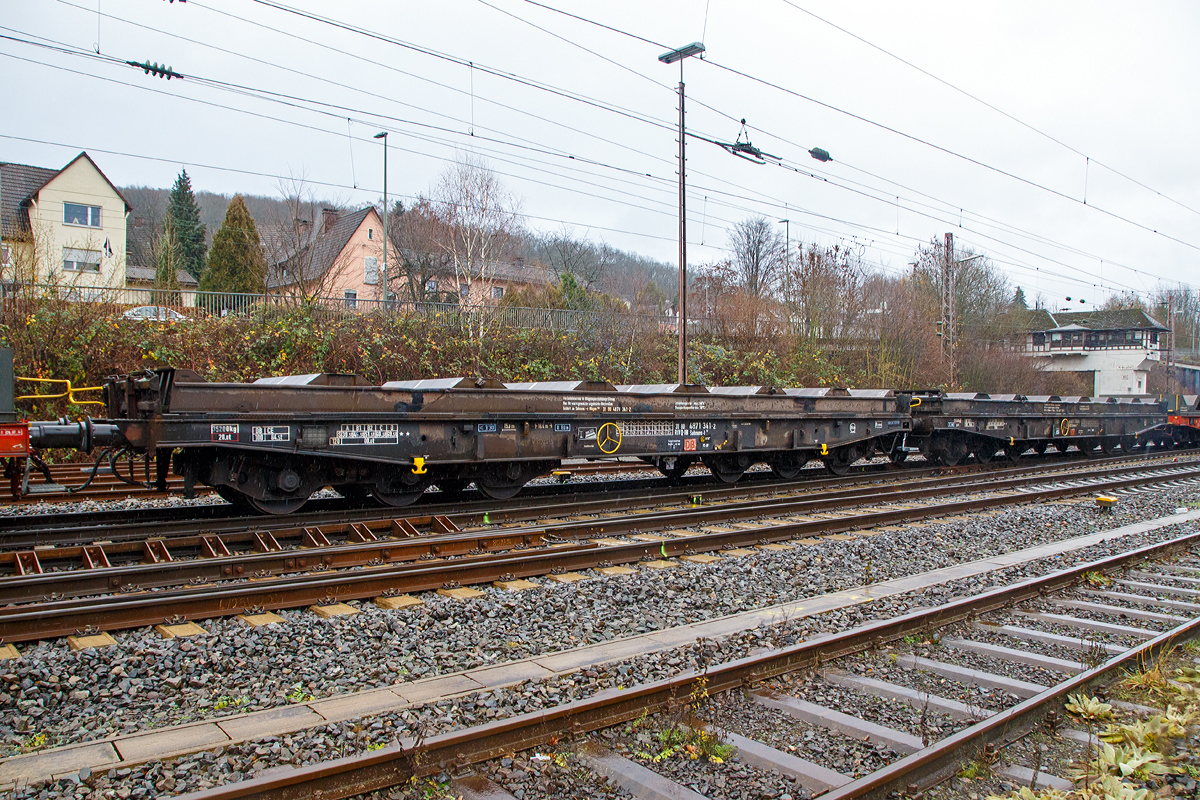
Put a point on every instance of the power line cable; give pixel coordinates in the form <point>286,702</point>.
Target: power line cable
<point>992,106</point>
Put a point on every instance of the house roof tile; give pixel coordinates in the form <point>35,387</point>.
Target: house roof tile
<point>19,182</point>
<point>319,255</point>
<point>25,182</point>
<point>1099,320</point>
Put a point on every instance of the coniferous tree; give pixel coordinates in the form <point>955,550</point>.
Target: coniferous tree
<point>1018,302</point>
<point>236,263</point>
<point>184,214</point>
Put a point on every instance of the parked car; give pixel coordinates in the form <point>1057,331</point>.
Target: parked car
<point>156,313</point>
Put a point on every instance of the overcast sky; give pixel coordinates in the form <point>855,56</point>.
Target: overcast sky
<point>579,120</point>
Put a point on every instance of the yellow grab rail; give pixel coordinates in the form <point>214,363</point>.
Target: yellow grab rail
<point>69,393</point>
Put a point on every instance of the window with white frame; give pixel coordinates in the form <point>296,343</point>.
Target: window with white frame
<point>497,292</point>
<point>463,291</point>
<point>430,286</point>
<point>370,233</point>
<point>78,214</point>
<point>351,298</point>
<point>80,260</point>
<point>370,270</point>
<point>4,255</point>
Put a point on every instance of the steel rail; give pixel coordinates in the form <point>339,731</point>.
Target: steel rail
<point>296,549</point>
<point>112,612</point>
<point>480,512</point>
<point>456,750</point>
<point>84,527</point>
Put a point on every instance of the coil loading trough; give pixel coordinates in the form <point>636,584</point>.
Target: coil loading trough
<point>274,442</point>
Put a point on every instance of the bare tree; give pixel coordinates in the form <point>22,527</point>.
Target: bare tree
<point>422,266</point>
<point>480,224</point>
<point>298,266</point>
<point>825,292</point>
<point>758,256</point>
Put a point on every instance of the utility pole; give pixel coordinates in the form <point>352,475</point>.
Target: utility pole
<point>1171,343</point>
<point>693,49</point>
<point>948,315</point>
<point>682,238</point>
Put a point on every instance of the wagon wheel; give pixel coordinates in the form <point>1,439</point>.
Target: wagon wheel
<point>1108,445</point>
<point>897,457</point>
<point>288,505</point>
<point>502,481</point>
<point>728,469</point>
<point>985,452</point>
<point>400,488</point>
<point>233,497</point>
<point>951,452</point>
<point>1061,445</point>
<point>678,467</point>
<point>1039,448</point>
<point>1013,451</point>
<point>839,459</point>
<point>1087,447</point>
<point>787,466</point>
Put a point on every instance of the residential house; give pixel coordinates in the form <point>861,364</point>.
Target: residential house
<point>1118,347</point>
<point>500,278</point>
<point>341,259</point>
<point>64,227</point>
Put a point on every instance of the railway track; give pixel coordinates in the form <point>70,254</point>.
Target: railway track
<point>17,532</point>
<point>591,733</point>
<point>294,567</point>
<point>109,486</point>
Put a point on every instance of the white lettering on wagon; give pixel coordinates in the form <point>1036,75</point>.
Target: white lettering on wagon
<point>271,433</point>
<point>589,403</point>
<point>224,432</point>
<point>368,433</point>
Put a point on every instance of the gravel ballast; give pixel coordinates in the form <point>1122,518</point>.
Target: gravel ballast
<point>306,656</point>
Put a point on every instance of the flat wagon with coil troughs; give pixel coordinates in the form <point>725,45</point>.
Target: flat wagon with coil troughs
<point>272,443</point>
<point>950,427</point>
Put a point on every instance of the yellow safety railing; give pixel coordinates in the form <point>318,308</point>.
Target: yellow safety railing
<point>69,393</point>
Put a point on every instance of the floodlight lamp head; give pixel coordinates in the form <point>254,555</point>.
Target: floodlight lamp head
<point>693,49</point>
<point>381,135</point>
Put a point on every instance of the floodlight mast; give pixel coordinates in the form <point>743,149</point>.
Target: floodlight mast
<point>693,49</point>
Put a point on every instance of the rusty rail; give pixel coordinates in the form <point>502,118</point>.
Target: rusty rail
<point>263,553</point>
<point>63,617</point>
<point>456,750</point>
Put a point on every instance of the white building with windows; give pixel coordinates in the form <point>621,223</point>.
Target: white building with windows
<point>62,227</point>
<point>1118,347</point>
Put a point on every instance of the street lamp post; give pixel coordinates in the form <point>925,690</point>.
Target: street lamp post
<point>383,278</point>
<point>693,49</point>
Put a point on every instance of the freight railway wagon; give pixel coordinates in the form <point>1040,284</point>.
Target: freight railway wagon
<point>950,427</point>
<point>274,442</point>
<point>1183,416</point>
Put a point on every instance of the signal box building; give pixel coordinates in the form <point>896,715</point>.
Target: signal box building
<point>1118,347</point>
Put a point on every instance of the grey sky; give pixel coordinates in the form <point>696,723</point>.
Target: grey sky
<point>1113,80</point>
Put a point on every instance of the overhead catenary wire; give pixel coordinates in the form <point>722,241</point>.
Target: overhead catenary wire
<point>997,109</point>
<point>882,126</point>
<point>408,121</point>
<point>539,29</point>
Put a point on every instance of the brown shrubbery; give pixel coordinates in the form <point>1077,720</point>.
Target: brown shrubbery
<point>85,342</point>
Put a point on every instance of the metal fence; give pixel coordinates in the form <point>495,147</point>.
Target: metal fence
<point>125,302</point>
